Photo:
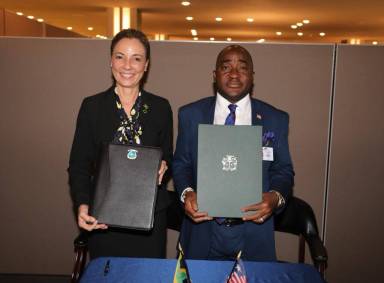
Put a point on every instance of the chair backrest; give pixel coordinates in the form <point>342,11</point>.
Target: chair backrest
<point>297,218</point>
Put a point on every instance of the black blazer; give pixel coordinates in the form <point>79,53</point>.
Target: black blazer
<point>96,125</point>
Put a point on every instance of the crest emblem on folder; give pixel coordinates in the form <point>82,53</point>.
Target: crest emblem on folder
<point>132,154</point>
<point>229,163</point>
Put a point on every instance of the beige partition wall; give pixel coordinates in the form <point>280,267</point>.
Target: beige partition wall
<point>42,83</point>
<point>354,229</point>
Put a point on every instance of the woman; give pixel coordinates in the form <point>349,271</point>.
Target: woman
<point>124,114</point>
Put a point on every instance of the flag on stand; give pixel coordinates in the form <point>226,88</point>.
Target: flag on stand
<point>237,274</point>
<point>181,272</point>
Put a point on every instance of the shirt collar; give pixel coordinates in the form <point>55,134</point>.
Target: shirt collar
<point>241,104</point>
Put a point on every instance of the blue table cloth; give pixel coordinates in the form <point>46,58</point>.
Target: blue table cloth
<point>116,270</point>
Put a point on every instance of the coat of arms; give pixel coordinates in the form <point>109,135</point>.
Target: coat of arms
<point>229,163</point>
<point>132,154</point>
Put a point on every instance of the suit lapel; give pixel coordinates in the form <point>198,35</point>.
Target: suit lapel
<point>209,111</point>
<point>257,116</point>
<point>145,118</point>
<point>112,117</point>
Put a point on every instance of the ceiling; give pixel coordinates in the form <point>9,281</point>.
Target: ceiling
<point>338,19</point>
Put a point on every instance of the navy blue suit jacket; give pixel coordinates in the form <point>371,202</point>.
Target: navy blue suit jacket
<point>277,175</point>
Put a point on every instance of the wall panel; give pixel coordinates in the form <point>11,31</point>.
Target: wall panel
<point>354,230</point>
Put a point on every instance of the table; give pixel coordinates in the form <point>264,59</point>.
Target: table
<point>119,270</point>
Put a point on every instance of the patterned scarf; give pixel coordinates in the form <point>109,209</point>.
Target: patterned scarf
<point>129,130</point>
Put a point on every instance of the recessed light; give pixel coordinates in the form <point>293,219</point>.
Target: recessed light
<point>250,20</point>
<point>300,34</point>
<point>374,42</point>
<point>299,24</point>
<point>306,22</point>
<point>261,40</point>
<point>293,26</point>
<point>195,38</point>
<point>40,20</point>
<point>218,19</point>
<point>69,28</point>
<point>19,13</point>
<point>185,3</point>
<point>279,33</point>
<point>98,35</point>
<point>322,33</point>
<point>229,39</point>
<point>189,18</point>
<point>90,28</point>
<point>211,38</point>
<point>193,32</point>
<point>30,17</point>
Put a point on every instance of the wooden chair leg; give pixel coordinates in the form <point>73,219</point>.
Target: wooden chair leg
<point>80,259</point>
<point>301,249</point>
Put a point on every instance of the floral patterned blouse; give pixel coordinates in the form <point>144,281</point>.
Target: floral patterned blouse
<point>129,130</point>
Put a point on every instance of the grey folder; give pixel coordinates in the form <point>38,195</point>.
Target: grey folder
<point>126,186</point>
<point>229,169</point>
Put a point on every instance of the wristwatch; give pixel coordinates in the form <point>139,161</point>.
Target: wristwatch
<point>182,197</point>
<point>281,200</point>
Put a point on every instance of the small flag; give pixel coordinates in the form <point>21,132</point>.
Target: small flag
<point>181,272</point>
<point>237,274</point>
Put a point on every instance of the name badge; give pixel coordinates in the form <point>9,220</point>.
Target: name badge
<point>267,153</point>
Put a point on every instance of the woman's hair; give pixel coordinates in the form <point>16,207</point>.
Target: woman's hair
<point>132,33</point>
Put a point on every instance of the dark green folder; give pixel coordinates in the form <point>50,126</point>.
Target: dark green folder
<point>229,169</point>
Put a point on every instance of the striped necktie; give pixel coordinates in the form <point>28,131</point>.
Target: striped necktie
<point>231,118</point>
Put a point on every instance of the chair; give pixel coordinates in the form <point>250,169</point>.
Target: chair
<point>81,249</point>
<point>298,218</point>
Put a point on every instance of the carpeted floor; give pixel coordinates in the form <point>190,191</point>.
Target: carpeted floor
<point>33,278</point>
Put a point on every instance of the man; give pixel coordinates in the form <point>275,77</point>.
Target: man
<point>201,236</point>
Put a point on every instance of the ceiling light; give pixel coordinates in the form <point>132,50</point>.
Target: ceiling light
<point>90,28</point>
<point>299,24</point>
<point>193,32</point>
<point>293,26</point>
<point>218,19</point>
<point>40,20</point>
<point>306,22</point>
<point>322,33</point>
<point>300,34</point>
<point>211,38</point>
<point>250,20</point>
<point>229,39</point>
<point>279,33</point>
<point>19,13</point>
<point>69,28</point>
<point>185,3</point>
<point>30,17</point>
<point>261,40</point>
<point>374,42</point>
<point>98,35</point>
<point>195,38</point>
<point>189,18</point>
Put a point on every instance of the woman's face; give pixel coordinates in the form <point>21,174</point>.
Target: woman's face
<point>128,62</point>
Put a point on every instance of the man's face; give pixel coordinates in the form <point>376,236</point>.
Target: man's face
<point>234,73</point>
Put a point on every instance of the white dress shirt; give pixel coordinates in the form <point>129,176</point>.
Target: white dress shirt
<point>243,110</point>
